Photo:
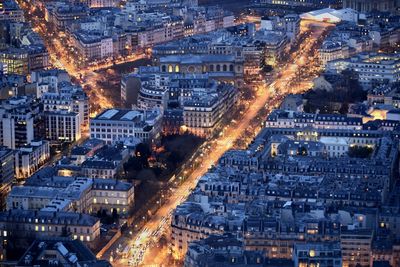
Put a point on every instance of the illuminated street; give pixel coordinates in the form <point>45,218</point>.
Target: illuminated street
<point>62,56</point>
<point>267,98</point>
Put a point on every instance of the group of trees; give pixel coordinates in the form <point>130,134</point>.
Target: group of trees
<point>166,159</point>
<point>108,218</point>
<point>360,152</point>
<point>345,90</point>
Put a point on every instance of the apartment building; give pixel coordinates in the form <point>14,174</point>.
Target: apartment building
<point>29,158</point>
<point>62,126</point>
<point>114,125</point>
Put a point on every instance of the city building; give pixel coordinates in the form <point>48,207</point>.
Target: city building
<point>16,60</point>
<point>114,125</point>
<point>273,43</point>
<point>26,225</point>
<point>293,102</point>
<point>356,247</point>
<point>62,126</point>
<point>365,6</point>
<point>72,194</point>
<point>93,45</point>
<point>225,68</point>
<point>315,4</point>
<point>11,11</point>
<point>317,254</point>
<point>333,50</point>
<point>29,158</point>
<point>204,109</point>
<point>21,121</point>
<point>69,98</point>
<point>6,173</point>
<point>62,13</point>
<point>331,15</point>
<point>222,251</point>
<point>59,251</point>
<point>373,69</point>
<point>153,92</point>
<point>48,80</point>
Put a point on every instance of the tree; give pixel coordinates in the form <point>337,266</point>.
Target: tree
<point>360,151</point>
<point>143,153</point>
<point>103,213</point>
<point>115,215</point>
<point>133,164</point>
<point>302,151</point>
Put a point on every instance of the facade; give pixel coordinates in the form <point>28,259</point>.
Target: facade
<point>99,169</point>
<point>290,119</point>
<point>30,158</point>
<point>204,109</point>
<point>26,225</point>
<point>293,102</point>
<point>25,59</point>
<point>373,69</point>
<point>59,251</point>
<point>356,247</point>
<point>6,173</point>
<point>292,26</point>
<point>301,3</point>
<point>273,43</point>
<point>21,121</point>
<point>331,15</point>
<point>331,51</point>
<point>72,194</point>
<point>317,254</point>
<point>16,60</point>
<point>161,33</point>
<point>130,86</point>
<point>62,126</point>
<point>114,125</point>
<point>153,92</point>
<point>93,45</point>
<point>69,98</point>
<point>222,250</point>
<point>365,6</point>
<point>49,80</point>
<point>62,13</point>
<point>225,68</point>
<point>11,11</point>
